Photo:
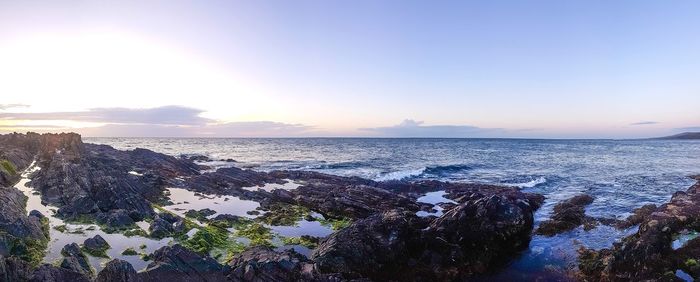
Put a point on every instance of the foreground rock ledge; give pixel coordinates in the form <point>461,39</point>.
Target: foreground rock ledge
<point>648,254</point>
<point>387,241</point>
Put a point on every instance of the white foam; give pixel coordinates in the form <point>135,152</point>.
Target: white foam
<point>529,184</point>
<point>401,174</point>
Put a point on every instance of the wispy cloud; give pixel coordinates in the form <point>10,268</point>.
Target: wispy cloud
<point>230,129</point>
<point>167,121</point>
<point>167,115</point>
<point>644,123</point>
<point>11,106</point>
<point>412,128</point>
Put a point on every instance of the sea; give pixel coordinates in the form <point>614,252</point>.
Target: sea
<point>620,174</point>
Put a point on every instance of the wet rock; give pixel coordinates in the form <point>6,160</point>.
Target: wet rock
<point>75,260</point>
<point>378,247</point>
<point>87,180</point>
<point>200,215</point>
<point>355,201</point>
<point>118,271</point>
<point>175,263</point>
<point>50,273</point>
<point>116,220</point>
<point>648,254</point>
<point>474,237</point>
<point>637,217</point>
<point>264,264</point>
<point>195,158</point>
<point>14,269</point>
<point>568,215</point>
<point>230,181</point>
<point>160,228</point>
<point>96,245</point>
<point>37,214</point>
<point>20,235</point>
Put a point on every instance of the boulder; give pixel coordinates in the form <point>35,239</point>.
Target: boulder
<point>568,215</point>
<point>95,245</point>
<point>118,271</point>
<point>50,273</point>
<point>263,264</point>
<point>175,263</point>
<point>75,260</point>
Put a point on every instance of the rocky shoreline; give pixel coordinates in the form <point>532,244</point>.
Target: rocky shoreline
<point>378,235</point>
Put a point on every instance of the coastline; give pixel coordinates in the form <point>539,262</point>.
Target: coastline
<point>381,217</point>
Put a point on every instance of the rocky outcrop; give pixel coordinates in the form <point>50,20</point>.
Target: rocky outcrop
<point>472,238</point>
<point>175,263</point>
<point>568,215</point>
<point>264,264</point>
<point>20,235</point>
<point>118,271</point>
<point>86,180</point>
<point>14,269</point>
<point>75,260</point>
<point>354,201</point>
<point>648,254</point>
<point>96,245</point>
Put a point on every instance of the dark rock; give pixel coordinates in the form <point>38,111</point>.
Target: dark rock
<point>116,220</point>
<point>118,271</point>
<point>568,215</point>
<point>37,214</point>
<point>175,263</point>
<point>20,235</point>
<point>647,254</point>
<point>75,260</point>
<point>50,273</point>
<point>474,237</point>
<point>200,215</point>
<point>264,264</point>
<point>637,217</point>
<point>378,247</point>
<point>14,269</point>
<point>169,217</point>
<point>355,201</point>
<point>195,157</point>
<point>160,228</point>
<point>96,245</point>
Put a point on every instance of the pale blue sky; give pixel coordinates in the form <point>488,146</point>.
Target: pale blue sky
<point>565,69</point>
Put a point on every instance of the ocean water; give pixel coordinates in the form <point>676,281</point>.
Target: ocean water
<point>620,174</point>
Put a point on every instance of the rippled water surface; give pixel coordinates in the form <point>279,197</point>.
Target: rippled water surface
<point>620,174</point>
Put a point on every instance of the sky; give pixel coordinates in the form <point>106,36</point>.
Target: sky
<point>374,68</point>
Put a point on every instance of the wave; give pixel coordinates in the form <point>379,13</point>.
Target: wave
<point>401,174</point>
<point>446,169</point>
<point>528,184</point>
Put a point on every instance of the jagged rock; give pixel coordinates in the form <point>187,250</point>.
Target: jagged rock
<point>20,235</point>
<point>169,217</point>
<point>50,273</point>
<point>200,215</point>
<point>118,271</point>
<point>14,269</point>
<point>568,215</point>
<point>37,214</point>
<point>96,244</point>
<point>160,228</point>
<point>75,260</point>
<point>471,238</point>
<point>377,247</point>
<point>647,254</point>
<point>116,219</point>
<point>175,263</point>
<point>264,264</point>
<point>637,217</point>
<point>355,201</point>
